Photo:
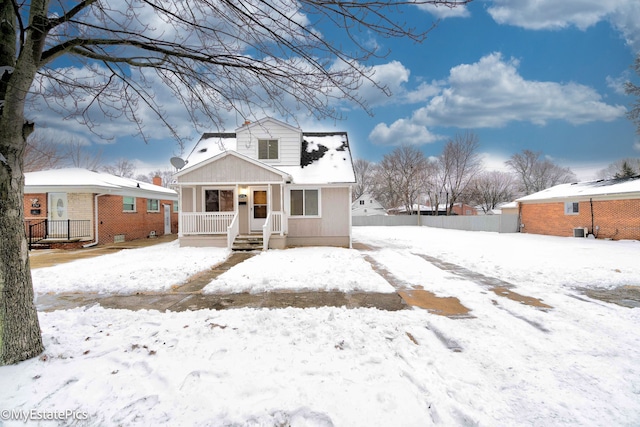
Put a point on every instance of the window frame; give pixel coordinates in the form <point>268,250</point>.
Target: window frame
<point>133,204</point>
<point>150,207</point>
<point>269,141</point>
<point>304,201</point>
<point>221,188</point>
<point>572,208</point>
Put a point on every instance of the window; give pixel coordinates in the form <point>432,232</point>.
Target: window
<point>571,208</point>
<point>362,202</point>
<point>305,203</point>
<point>218,200</point>
<point>153,205</point>
<point>268,149</point>
<point>128,204</point>
<point>175,206</point>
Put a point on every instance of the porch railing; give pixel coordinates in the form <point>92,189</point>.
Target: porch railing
<point>57,229</point>
<point>206,222</point>
<point>232,231</point>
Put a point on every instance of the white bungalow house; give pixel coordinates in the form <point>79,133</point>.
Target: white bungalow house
<point>268,183</point>
<point>367,205</point>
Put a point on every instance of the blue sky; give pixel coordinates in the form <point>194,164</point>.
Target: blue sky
<point>542,75</point>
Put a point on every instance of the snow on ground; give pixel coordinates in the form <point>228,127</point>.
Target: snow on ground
<point>510,364</point>
<point>304,269</point>
<point>154,268</point>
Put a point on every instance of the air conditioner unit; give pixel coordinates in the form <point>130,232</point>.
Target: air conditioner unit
<point>580,232</point>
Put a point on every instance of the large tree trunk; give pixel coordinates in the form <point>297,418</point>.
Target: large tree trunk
<point>20,336</point>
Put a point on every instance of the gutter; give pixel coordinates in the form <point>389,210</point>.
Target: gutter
<point>89,245</point>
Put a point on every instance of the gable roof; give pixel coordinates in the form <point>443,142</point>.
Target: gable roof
<point>609,188</point>
<point>224,154</point>
<point>326,156</point>
<point>77,180</point>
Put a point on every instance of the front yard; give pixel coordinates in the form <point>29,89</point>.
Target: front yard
<point>505,363</point>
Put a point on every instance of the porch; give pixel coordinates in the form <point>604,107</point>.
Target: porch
<point>223,229</point>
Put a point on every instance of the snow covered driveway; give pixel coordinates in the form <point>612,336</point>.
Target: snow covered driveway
<point>506,364</point>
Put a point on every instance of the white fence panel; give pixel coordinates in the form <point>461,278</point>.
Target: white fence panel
<point>504,223</point>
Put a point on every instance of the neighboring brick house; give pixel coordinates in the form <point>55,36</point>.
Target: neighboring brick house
<point>71,208</point>
<point>606,209</point>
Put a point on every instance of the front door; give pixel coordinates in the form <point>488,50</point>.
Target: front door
<point>258,209</point>
<point>58,215</point>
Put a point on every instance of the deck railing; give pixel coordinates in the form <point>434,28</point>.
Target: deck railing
<point>206,222</point>
<point>66,229</point>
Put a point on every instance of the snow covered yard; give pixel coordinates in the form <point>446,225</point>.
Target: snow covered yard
<point>508,364</point>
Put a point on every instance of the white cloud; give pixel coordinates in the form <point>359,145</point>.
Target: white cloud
<point>491,93</point>
<point>442,11</point>
<point>402,132</point>
<point>636,146</point>
<point>392,75</point>
<point>617,83</point>
<point>624,15</point>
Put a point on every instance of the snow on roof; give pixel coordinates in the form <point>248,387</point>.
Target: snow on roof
<point>327,156</point>
<point>333,165</point>
<point>210,145</point>
<point>600,187</point>
<point>80,180</point>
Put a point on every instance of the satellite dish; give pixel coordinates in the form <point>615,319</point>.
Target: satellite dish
<point>177,162</point>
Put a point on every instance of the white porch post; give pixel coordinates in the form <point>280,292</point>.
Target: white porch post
<point>180,211</point>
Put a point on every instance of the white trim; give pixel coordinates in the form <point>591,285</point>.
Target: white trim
<point>285,176</point>
<point>227,187</point>
<point>305,188</point>
<point>267,161</point>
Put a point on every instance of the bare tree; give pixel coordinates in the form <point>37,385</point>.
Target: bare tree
<point>214,57</point>
<point>490,188</point>
<point>364,171</point>
<point>535,174</point>
<point>622,168</point>
<point>634,90</point>
<point>41,154</point>
<point>76,154</point>
<point>122,167</point>
<point>459,164</point>
<point>400,177</point>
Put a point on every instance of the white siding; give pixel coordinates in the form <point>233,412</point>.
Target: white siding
<point>230,169</point>
<point>289,141</point>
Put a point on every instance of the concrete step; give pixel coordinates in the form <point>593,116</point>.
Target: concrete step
<point>247,243</point>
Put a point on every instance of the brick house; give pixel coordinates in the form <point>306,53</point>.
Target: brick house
<point>606,209</point>
<point>71,208</point>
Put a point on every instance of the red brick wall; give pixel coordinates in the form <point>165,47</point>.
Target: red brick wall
<point>134,225</point>
<point>113,221</point>
<point>463,210</point>
<point>613,219</point>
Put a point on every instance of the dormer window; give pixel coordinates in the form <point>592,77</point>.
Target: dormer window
<point>268,149</point>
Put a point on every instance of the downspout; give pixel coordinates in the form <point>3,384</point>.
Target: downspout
<point>593,231</point>
<point>351,217</point>
<point>89,245</point>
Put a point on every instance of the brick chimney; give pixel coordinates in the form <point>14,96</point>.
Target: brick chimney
<point>157,181</point>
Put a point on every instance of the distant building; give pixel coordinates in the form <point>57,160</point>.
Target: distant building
<point>366,205</point>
